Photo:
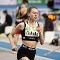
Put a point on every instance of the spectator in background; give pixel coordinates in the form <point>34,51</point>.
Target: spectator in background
<point>48,23</point>
<point>8,21</point>
<point>21,16</point>
<point>50,4</point>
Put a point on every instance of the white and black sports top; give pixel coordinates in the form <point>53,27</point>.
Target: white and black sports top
<point>30,33</point>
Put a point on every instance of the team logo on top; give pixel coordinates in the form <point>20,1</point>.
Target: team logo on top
<point>31,31</point>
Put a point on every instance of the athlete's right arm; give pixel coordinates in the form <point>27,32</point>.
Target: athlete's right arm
<point>17,9</point>
<point>17,28</point>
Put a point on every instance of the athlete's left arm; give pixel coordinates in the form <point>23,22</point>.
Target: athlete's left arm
<point>19,27</point>
<point>40,29</point>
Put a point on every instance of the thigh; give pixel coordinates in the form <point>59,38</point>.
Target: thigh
<point>20,53</point>
<point>25,53</point>
<point>24,58</point>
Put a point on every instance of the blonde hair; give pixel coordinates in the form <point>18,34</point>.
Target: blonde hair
<point>30,8</point>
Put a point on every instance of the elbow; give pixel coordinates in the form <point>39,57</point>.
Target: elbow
<point>42,42</point>
<point>9,35</point>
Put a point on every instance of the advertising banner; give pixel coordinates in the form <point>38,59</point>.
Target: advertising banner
<point>15,2</point>
<point>33,1</point>
<point>57,1</point>
<point>7,2</point>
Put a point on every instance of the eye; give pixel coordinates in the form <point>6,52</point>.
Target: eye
<point>33,12</point>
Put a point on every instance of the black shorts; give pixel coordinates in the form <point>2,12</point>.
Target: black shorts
<point>26,51</point>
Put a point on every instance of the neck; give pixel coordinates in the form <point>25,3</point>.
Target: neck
<point>31,21</point>
<point>24,5</point>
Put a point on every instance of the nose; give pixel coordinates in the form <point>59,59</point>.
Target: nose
<point>35,14</point>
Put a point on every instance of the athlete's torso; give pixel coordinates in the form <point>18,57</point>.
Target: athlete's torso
<point>30,33</point>
<point>19,14</point>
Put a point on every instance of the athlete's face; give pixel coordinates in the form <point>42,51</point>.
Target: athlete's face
<point>33,14</point>
<point>26,4</point>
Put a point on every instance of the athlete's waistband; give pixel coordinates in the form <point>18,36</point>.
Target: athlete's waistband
<point>28,47</point>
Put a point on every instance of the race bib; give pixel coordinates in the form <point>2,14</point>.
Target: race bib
<point>31,31</point>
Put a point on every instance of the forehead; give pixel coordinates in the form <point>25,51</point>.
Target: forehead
<point>34,10</point>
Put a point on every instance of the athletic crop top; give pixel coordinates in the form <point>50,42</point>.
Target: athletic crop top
<point>30,33</point>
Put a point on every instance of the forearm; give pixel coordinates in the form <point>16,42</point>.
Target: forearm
<point>40,30</point>
<point>41,38</point>
<point>11,40</point>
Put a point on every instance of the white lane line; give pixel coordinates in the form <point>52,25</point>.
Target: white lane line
<point>44,58</point>
<point>48,49</point>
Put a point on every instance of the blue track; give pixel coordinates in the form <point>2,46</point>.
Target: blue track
<point>39,52</point>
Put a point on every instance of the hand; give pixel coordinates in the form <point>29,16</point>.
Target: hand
<point>38,29</point>
<point>14,47</point>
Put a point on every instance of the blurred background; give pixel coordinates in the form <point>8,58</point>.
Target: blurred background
<point>49,7</point>
<point>49,15</point>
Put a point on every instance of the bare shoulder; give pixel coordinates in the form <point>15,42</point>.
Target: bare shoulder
<point>20,26</point>
<point>40,23</point>
<point>17,8</point>
<point>22,23</point>
<point>22,6</point>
